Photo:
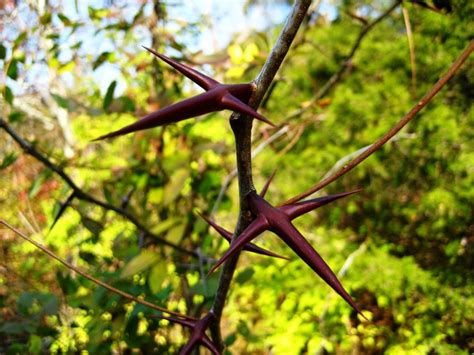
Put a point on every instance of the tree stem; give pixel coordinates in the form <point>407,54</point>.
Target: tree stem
<point>242,128</point>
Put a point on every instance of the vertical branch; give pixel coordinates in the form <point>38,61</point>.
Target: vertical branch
<point>242,127</point>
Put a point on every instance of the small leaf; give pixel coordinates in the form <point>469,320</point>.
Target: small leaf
<point>8,95</point>
<point>12,70</point>
<point>35,187</point>
<point>175,234</point>
<point>46,18</point>
<point>8,160</point>
<point>3,51</point>
<point>175,186</point>
<point>65,20</point>
<point>61,101</point>
<point>157,276</point>
<point>165,225</point>
<point>15,116</point>
<point>139,263</point>
<point>100,60</point>
<point>244,275</point>
<point>19,40</point>
<point>92,226</point>
<point>109,95</point>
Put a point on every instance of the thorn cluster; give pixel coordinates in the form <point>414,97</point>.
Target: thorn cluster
<point>198,333</point>
<point>216,98</point>
<point>278,220</point>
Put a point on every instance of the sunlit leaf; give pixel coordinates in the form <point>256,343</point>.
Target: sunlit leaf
<point>109,95</point>
<point>157,276</point>
<point>141,262</point>
<point>175,185</point>
<point>8,160</point>
<point>12,70</point>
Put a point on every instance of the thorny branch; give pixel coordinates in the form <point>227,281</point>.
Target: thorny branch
<point>394,130</point>
<point>82,195</point>
<point>242,127</point>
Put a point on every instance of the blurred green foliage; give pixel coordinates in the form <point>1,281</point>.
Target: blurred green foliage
<point>403,246</point>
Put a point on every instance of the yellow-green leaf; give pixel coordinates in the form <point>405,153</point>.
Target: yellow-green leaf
<point>157,276</point>
<point>174,187</point>
<point>139,263</point>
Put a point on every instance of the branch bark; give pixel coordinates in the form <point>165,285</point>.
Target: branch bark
<point>242,127</point>
<point>394,130</point>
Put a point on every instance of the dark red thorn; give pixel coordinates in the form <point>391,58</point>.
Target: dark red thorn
<point>267,184</point>
<point>63,208</point>
<point>248,247</point>
<point>295,210</point>
<point>202,80</point>
<point>259,225</point>
<point>295,240</point>
<point>232,103</point>
<point>194,106</point>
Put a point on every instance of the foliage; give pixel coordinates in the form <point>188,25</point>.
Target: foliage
<point>405,242</point>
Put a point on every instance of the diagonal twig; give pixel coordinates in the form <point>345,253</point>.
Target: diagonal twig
<point>89,277</point>
<point>394,130</point>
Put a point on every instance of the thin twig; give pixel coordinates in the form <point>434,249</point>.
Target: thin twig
<point>411,46</point>
<point>91,278</point>
<point>81,194</point>
<point>242,128</point>
<point>394,130</point>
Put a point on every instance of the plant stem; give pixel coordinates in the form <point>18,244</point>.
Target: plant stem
<point>242,127</point>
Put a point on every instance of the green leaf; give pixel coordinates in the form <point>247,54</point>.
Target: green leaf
<point>15,116</point>
<point>46,18</point>
<point>3,51</point>
<point>65,20</point>
<point>61,101</point>
<point>176,233</point>
<point>36,186</point>
<point>19,40</point>
<point>165,225</point>
<point>109,95</point>
<point>92,226</point>
<point>12,70</point>
<point>244,275</point>
<point>174,187</point>
<point>34,344</point>
<point>8,160</point>
<point>139,263</point>
<point>101,59</point>
<point>157,276</point>
<point>7,93</point>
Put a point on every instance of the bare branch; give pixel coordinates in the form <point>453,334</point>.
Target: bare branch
<point>394,130</point>
<point>81,194</point>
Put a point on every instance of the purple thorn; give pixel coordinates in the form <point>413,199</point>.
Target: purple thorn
<point>248,247</point>
<point>267,184</point>
<point>278,221</point>
<point>198,335</point>
<point>300,208</point>
<point>216,98</point>
<point>202,80</point>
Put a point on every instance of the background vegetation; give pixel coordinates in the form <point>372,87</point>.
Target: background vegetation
<point>403,247</point>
